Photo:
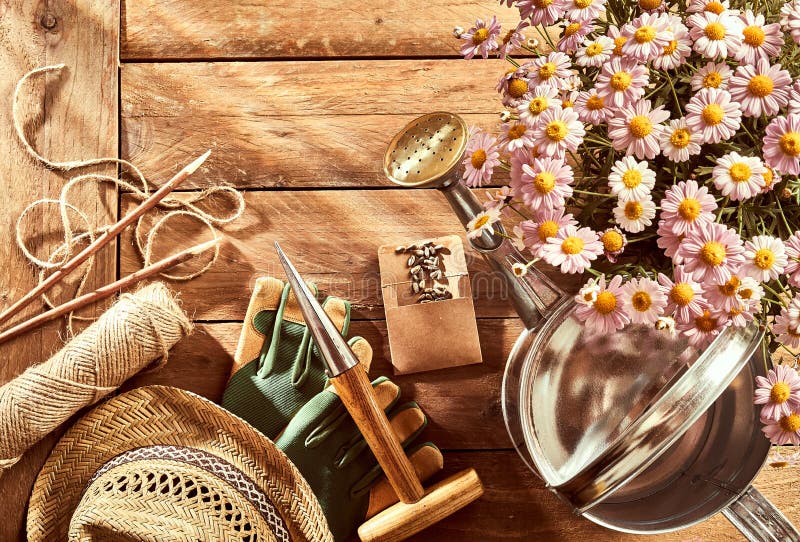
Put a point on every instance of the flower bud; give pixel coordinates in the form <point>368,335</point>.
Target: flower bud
<point>457,31</point>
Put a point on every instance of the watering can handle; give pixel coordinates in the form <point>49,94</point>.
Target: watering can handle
<point>758,519</point>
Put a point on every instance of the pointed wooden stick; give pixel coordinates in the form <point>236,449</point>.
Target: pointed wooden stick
<point>107,290</point>
<point>103,240</point>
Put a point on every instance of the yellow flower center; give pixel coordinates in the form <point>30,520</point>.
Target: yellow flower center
<point>760,86</point>
<point>705,323</point>
<point>790,143</point>
<point>713,253</point>
<point>780,392</point>
<point>516,131</point>
<point>715,31</point>
<point>745,293</point>
<point>671,47</point>
<point>572,245</point>
<point>764,258</point>
<point>571,29</point>
<point>541,4</point>
<point>547,229</point>
<point>545,182</point>
<point>517,88</point>
<point>681,294</point>
<point>582,4</point>
<point>566,103</point>
<point>632,178</point>
<point>547,70</point>
<point>480,36</point>
<point>478,158</point>
<point>714,7</point>
<point>740,172</point>
<point>729,288</point>
<point>644,34</point>
<point>680,138</point>
<point>712,80</point>
<point>619,41</point>
<point>538,104</point>
<point>605,303</point>
<point>768,177</point>
<point>620,81</point>
<point>556,130</point>
<point>754,36</point>
<point>595,103</point>
<point>481,222</point>
<point>612,241</point>
<point>594,49</point>
<point>641,301</point>
<point>633,210</point>
<point>712,114</point>
<point>640,126</point>
<point>689,209</point>
<point>790,423</point>
<point>649,5</point>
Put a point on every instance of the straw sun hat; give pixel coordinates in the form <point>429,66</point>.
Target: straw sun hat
<point>158,464</point>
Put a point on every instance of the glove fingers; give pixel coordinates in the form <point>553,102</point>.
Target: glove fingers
<point>427,460</point>
<point>266,296</point>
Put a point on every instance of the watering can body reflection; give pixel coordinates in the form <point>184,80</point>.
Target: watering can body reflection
<point>637,431</point>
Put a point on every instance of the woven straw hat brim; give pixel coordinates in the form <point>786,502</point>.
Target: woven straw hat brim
<point>159,415</point>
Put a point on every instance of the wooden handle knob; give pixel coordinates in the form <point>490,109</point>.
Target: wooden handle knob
<point>355,390</point>
<point>403,520</point>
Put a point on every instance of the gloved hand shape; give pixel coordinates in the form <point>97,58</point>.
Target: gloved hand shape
<point>324,443</point>
<point>277,368</point>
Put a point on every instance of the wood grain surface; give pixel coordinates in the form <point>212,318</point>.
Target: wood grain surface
<point>73,115</point>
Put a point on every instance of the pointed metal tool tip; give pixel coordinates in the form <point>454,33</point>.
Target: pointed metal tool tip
<point>191,168</point>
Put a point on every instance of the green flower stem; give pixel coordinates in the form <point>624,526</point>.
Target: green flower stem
<point>588,193</point>
<point>542,29</point>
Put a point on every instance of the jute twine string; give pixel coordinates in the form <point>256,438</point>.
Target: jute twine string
<point>73,237</point>
<point>135,332</point>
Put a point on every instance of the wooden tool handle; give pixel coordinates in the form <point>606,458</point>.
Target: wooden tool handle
<point>355,390</point>
<point>402,520</point>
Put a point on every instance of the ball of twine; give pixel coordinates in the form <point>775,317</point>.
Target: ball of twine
<point>137,330</point>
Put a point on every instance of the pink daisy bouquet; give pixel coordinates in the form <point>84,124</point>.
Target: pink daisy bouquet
<point>655,147</point>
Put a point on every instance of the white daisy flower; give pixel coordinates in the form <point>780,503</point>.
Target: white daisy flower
<point>712,75</point>
<point>631,179</point>
<point>536,102</point>
<point>678,142</point>
<point>594,52</point>
<point>519,269</point>
<point>588,294</point>
<point>716,35</point>
<point>644,300</point>
<point>739,177</point>
<point>483,222</point>
<point>764,258</point>
<point>635,215</point>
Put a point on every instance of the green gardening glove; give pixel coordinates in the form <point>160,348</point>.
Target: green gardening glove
<point>277,369</point>
<point>325,445</point>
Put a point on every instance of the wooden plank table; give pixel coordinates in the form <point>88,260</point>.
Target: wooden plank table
<point>297,100</point>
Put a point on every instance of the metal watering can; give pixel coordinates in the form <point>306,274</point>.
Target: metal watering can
<point>637,431</point>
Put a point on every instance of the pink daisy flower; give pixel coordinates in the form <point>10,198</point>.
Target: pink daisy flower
<point>647,35</point>
<point>512,40</point>
<point>761,41</point>
<point>738,177</point>
<point>779,392</point>
<point>761,88</point>
<point>606,314</point>
<point>712,75</point>
<point>551,70</point>
<point>669,241</point>
<point>636,129</point>
<point>516,135</point>
<point>572,249</point>
<point>702,330</point>
<point>787,329</point>
<point>711,6</point>
<point>594,52</point>
<point>591,108</point>
<point>480,39</point>
<point>723,296</point>
<point>545,184</point>
<point>539,100</point>
<point>480,158</point>
<point>782,144</point>
<point>765,258</point>
<point>631,180</point>
<point>678,49</point>
<point>619,39</point>
<point>513,86</point>
<point>712,252</point>
<point>621,82</point>
<point>520,157</point>
<point>793,259</point>
<point>783,431</point>
<point>558,131</point>
<point>574,34</point>
<point>713,115</point>
<point>584,10</point>
<point>635,215</point>
<point>544,12</point>
<point>715,35</point>
<point>685,205</point>
<point>684,295</point>
<point>790,19</point>
<point>544,225</point>
<point>678,142</point>
<point>614,243</point>
<point>497,198</point>
<point>644,300</point>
